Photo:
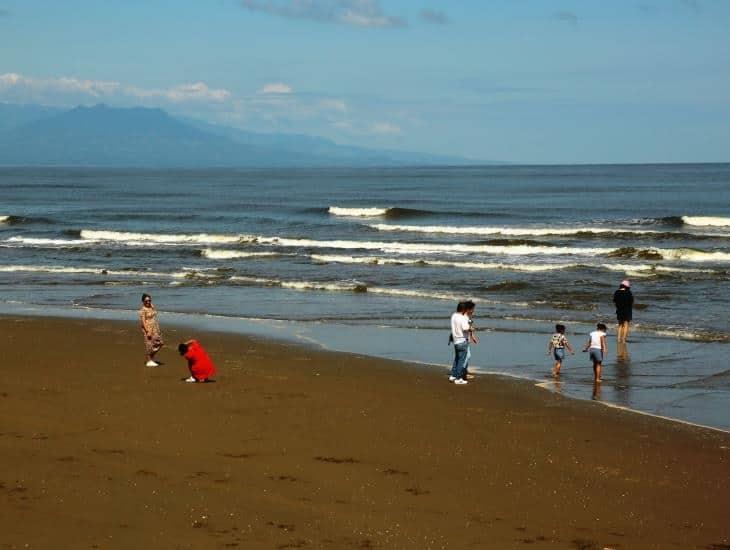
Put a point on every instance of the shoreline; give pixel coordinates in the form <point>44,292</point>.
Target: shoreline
<point>294,447</point>
<point>286,332</point>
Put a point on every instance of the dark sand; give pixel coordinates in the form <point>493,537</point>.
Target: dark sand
<point>294,448</point>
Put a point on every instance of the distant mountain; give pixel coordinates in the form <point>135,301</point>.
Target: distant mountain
<point>12,116</point>
<point>143,137</point>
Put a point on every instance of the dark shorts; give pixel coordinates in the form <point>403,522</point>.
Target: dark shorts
<point>559,354</point>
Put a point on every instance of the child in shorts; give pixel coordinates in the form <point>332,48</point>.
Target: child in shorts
<point>598,349</point>
<point>557,344</point>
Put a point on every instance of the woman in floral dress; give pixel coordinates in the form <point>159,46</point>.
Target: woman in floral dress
<point>151,330</point>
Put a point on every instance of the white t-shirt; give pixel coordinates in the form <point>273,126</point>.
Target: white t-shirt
<point>596,339</point>
<point>459,327</point>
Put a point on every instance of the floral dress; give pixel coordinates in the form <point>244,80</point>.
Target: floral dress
<point>148,319</point>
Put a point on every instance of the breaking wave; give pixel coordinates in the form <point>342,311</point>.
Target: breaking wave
<point>375,260</point>
<point>87,271</point>
<point>706,221</point>
<point>508,231</point>
<point>234,254</point>
<point>51,243</point>
<point>390,213</point>
<point>146,238</point>
<point>357,212</point>
<point>432,248</point>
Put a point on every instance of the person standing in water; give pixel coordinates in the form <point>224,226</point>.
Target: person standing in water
<point>624,300</point>
<point>151,330</point>
<point>598,348</point>
<point>557,344</point>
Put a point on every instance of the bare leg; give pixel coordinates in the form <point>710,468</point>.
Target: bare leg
<point>556,368</point>
<point>627,326</point>
<point>597,372</point>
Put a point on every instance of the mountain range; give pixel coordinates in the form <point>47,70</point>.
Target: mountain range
<point>34,135</point>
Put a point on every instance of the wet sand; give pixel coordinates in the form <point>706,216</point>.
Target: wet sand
<point>296,448</point>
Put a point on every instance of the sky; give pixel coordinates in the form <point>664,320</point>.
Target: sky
<point>525,81</point>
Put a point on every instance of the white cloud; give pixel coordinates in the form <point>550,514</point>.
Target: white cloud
<point>71,91</point>
<point>276,88</point>
<point>64,85</point>
<point>355,13</point>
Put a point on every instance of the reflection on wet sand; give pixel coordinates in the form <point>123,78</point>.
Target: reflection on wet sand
<point>623,374</point>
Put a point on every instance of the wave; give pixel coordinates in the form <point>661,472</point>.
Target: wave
<point>357,212</point>
<point>52,243</point>
<point>686,254</point>
<point>508,286</point>
<point>233,254</point>
<point>508,231</point>
<point>706,221</point>
<point>587,231</point>
<point>88,271</point>
<point>131,238</point>
<point>390,213</point>
<point>431,248</point>
<point>4,219</point>
<point>374,260</point>
<point>342,286</point>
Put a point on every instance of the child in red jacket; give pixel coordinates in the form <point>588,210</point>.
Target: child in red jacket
<point>200,365</point>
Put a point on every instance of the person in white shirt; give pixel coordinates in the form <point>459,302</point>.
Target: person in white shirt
<point>460,334</point>
<point>598,349</point>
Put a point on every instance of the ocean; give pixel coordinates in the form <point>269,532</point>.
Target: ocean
<point>373,261</point>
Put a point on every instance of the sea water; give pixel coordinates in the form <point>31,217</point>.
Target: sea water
<point>374,261</point>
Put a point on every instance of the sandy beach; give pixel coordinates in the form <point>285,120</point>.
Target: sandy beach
<point>297,448</point>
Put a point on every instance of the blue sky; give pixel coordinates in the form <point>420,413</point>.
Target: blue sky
<point>532,81</point>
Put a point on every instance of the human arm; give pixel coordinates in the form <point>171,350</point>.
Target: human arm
<point>588,344</point>
<point>604,347</point>
<point>142,324</point>
<point>570,348</point>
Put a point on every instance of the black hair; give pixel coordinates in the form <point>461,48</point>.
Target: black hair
<point>145,296</point>
<point>182,348</point>
<point>601,326</point>
<point>469,305</point>
<point>460,306</point>
<point>560,328</point>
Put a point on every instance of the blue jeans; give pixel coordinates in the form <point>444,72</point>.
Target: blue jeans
<point>460,351</point>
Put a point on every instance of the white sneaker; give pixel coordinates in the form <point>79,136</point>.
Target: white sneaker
<point>151,364</point>
<point>460,381</point>
<point>452,378</point>
<point>190,379</point>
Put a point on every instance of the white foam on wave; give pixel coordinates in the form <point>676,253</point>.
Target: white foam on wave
<point>86,271</point>
<point>690,255</point>
<point>507,231</point>
<point>357,212</point>
<point>213,254</point>
<point>375,260</point>
<point>3,219</point>
<point>706,221</point>
<point>41,242</point>
<point>344,286</point>
<point>132,238</point>
<point>433,248</point>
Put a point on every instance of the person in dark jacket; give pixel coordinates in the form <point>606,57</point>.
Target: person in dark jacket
<point>624,300</point>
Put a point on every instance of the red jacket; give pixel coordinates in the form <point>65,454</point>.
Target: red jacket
<point>200,365</point>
